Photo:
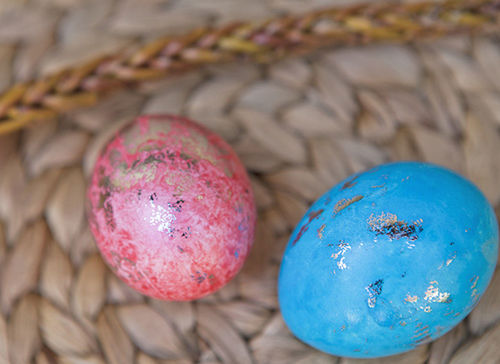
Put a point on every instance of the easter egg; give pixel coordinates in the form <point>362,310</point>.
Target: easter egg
<point>171,208</point>
<point>387,260</point>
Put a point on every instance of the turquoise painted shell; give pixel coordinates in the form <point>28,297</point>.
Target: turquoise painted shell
<point>387,260</point>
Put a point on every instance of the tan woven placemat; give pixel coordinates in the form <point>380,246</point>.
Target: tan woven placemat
<point>299,126</point>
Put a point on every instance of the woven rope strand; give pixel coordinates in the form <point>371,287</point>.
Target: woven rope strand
<point>261,42</point>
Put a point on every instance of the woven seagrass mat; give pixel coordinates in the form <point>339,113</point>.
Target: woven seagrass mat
<point>299,126</point>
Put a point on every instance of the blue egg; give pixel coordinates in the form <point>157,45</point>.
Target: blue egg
<point>387,260</point>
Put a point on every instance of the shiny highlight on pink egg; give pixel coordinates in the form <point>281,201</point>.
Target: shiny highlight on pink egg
<point>171,208</point>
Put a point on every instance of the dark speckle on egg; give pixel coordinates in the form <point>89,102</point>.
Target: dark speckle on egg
<point>311,216</point>
<point>374,290</point>
<point>389,225</point>
<point>350,183</point>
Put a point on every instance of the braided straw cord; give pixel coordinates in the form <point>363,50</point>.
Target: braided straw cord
<point>81,86</point>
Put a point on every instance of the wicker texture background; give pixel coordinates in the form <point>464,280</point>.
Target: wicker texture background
<point>299,125</point>
<point>261,41</point>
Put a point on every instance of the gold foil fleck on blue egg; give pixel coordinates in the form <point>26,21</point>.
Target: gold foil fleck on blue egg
<point>411,299</point>
<point>432,293</point>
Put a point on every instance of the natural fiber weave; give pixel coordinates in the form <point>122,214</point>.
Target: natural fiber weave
<point>262,41</point>
<point>299,126</point>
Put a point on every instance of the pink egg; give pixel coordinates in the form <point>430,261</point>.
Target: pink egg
<point>171,208</point>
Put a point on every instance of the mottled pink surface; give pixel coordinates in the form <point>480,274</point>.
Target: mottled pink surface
<point>171,208</point>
